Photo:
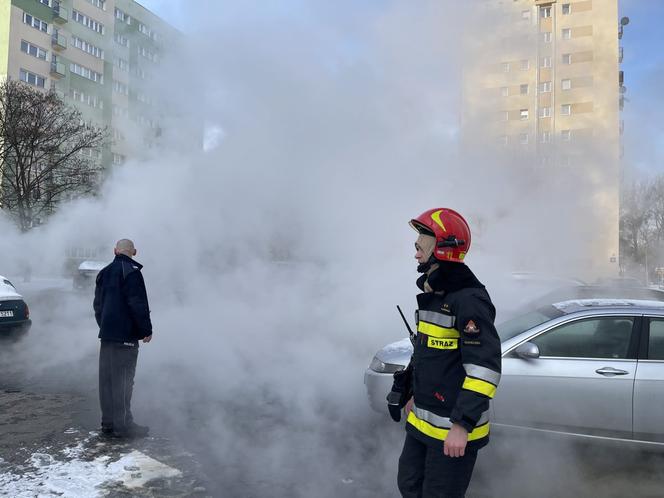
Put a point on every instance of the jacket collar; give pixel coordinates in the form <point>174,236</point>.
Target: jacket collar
<point>127,259</point>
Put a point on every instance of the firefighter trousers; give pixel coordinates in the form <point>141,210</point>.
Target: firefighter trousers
<point>425,472</point>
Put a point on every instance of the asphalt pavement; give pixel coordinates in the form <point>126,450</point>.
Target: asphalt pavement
<point>218,443</point>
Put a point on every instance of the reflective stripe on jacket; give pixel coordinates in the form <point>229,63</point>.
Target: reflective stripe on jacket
<point>456,365</point>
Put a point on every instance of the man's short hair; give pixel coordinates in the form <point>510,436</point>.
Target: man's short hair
<point>125,246</point>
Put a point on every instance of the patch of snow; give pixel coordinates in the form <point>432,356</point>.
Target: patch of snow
<point>76,477</point>
<point>402,346</point>
<point>586,303</point>
<point>92,265</point>
<point>7,290</point>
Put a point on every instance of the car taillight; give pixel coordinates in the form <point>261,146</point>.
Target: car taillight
<point>27,311</point>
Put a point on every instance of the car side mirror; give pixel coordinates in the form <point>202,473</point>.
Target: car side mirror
<point>527,351</point>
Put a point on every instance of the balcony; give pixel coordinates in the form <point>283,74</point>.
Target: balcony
<point>621,54</point>
<point>60,14</point>
<point>58,69</point>
<point>58,41</point>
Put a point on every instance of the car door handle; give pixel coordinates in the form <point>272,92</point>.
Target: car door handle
<point>611,371</point>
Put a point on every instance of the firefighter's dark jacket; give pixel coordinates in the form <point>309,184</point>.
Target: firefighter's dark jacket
<point>456,359</point>
<point>121,302</point>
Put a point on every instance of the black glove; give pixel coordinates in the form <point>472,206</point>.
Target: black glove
<point>402,391</point>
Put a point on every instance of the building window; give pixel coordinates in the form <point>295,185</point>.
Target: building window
<point>545,87</point>
<point>545,61</point>
<point>545,137</point>
<point>525,15</point>
<point>87,47</point>
<point>505,67</point>
<point>567,58</point>
<point>120,63</point>
<point>121,88</point>
<point>120,112</point>
<point>525,65</point>
<point>566,109</point>
<point>147,31</point>
<point>523,114</point>
<point>121,40</point>
<point>122,16</point>
<point>118,159</point>
<point>85,98</point>
<point>33,50</point>
<point>504,91</point>
<point>504,116</point>
<point>503,140</point>
<point>45,2</point>
<point>86,73</point>
<point>88,22</point>
<point>547,37</point>
<point>523,89</point>
<point>567,9</point>
<point>147,53</point>
<point>140,72</point>
<point>523,138</point>
<point>35,23</point>
<point>566,135</point>
<point>145,99</point>
<point>567,34</point>
<point>32,78</point>
<point>545,12</point>
<point>566,84</point>
<point>545,112</point>
<point>100,4</point>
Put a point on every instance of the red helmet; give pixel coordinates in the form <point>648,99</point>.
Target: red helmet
<point>450,229</point>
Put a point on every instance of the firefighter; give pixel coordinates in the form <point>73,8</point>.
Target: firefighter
<point>455,364</point>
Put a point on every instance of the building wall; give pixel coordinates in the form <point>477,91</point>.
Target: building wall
<point>520,68</point>
<point>118,101</point>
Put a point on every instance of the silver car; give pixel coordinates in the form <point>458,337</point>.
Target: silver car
<point>592,367</point>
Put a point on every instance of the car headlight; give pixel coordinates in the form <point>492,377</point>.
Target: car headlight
<point>382,367</point>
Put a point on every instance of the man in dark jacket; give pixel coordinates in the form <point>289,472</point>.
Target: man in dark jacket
<point>123,315</point>
<point>455,365</point>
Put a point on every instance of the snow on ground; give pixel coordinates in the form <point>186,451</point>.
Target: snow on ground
<point>70,474</point>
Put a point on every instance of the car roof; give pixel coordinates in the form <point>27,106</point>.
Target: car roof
<point>574,305</point>
<point>597,292</point>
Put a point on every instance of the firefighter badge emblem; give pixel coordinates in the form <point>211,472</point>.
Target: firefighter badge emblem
<point>471,328</point>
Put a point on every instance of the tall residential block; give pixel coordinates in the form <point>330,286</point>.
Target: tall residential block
<point>98,55</point>
<point>543,89</point>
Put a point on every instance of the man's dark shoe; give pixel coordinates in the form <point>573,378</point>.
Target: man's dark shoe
<point>106,430</point>
<point>132,431</point>
<point>138,430</point>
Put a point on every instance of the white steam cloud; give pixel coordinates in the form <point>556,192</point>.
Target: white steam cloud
<point>274,255</point>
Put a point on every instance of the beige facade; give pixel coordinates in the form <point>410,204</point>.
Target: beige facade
<point>544,91</point>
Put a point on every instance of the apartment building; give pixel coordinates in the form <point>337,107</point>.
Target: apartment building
<point>98,55</point>
<point>544,90</point>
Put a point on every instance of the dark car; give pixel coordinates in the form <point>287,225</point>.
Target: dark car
<point>86,274</point>
<point>14,312</point>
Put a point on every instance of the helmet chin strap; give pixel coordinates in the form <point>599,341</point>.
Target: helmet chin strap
<point>425,267</point>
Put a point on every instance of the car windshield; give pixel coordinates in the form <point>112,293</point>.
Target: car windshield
<point>523,322</point>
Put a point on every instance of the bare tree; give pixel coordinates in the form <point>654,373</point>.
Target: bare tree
<point>656,201</point>
<point>635,221</point>
<point>46,152</point>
